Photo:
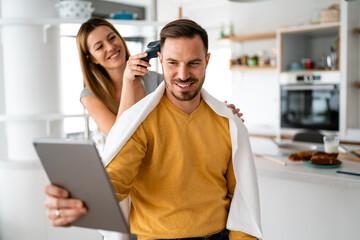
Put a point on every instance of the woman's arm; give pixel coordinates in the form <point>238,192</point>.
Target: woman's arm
<point>102,116</point>
<point>132,88</point>
<point>132,91</point>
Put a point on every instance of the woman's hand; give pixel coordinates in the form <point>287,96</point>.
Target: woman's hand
<point>136,67</point>
<point>61,210</point>
<point>235,110</point>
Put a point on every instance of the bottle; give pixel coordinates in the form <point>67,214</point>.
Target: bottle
<point>332,59</point>
<point>322,64</point>
<point>232,29</point>
<point>273,57</point>
<point>222,34</point>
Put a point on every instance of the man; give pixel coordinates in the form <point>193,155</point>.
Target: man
<point>185,160</point>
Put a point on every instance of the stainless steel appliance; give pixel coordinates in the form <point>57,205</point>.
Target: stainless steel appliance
<point>310,101</point>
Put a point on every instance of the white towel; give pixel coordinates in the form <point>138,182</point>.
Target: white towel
<point>244,212</point>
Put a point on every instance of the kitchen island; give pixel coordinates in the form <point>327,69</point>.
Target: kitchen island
<point>299,202</point>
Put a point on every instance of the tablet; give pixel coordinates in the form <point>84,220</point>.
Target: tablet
<point>76,166</point>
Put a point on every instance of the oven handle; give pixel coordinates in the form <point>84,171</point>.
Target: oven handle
<point>308,87</point>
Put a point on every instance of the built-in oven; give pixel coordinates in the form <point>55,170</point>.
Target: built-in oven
<point>310,101</point>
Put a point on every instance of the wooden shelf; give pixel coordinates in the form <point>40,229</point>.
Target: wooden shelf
<point>58,21</point>
<point>311,71</point>
<point>250,37</point>
<point>357,29</point>
<point>309,28</point>
<point>248,68</point>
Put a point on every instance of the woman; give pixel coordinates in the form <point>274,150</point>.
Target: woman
<point>110,88</point>
<point>109,73</point>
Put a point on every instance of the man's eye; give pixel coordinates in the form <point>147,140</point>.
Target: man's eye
<point>194,64</point>
<point>172,63</point>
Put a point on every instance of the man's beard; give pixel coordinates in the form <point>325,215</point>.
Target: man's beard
<point>185,95</point>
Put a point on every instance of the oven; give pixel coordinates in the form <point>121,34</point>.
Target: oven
<point>310,101</point>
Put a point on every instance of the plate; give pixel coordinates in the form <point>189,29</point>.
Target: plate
<point>295,147</point>
<point>309,164</point>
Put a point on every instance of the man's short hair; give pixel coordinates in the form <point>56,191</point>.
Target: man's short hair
<point>183,28</point>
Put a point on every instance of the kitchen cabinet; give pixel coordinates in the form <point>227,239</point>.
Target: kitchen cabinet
<point>309,48</point>
<point>299,202</point>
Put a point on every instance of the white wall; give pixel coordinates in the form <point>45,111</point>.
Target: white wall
<point>3,146</point>
<point>349,95</point>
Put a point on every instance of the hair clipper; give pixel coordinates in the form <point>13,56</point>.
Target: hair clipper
<point>152,49</point>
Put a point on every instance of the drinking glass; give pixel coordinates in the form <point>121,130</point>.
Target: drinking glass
<point>331,144</point>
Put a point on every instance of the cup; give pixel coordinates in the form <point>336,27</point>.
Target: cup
<point>331,144</point>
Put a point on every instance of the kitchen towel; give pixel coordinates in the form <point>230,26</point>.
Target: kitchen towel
<point>244,213</point>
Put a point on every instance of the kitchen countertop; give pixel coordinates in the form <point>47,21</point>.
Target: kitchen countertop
<point>297,171</point>
<point>294,171</point>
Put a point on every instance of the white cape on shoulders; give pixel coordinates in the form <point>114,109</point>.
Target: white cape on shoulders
<point>244,214</point>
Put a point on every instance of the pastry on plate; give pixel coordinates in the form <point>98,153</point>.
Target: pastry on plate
<point>324,154</point>
<point>300,156</point>
<point>324,160</point>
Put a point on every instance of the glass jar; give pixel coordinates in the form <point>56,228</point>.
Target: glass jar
<point>252,60</point>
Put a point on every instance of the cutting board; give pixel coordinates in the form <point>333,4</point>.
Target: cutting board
<point>346,156</point>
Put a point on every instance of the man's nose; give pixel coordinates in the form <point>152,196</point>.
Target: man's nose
<point>183,72</point>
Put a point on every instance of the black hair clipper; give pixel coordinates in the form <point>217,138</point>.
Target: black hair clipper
<point>152,49</point>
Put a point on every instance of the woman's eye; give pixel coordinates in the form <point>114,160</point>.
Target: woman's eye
<point>99,47</point>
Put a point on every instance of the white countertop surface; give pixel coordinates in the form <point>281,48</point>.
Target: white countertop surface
<point>294,171</point>
<point>297,171</point>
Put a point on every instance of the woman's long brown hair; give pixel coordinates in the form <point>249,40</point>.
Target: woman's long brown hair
<point>96,79</point>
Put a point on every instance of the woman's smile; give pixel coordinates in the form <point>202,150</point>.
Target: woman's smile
<point>114,55</point>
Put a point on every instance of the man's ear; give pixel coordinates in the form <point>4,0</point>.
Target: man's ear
<point>207,59</point>
<point>160,57</point>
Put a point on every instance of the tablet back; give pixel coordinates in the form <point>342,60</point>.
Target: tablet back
<point>76,166</point>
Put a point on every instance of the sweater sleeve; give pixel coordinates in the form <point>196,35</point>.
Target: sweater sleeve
<point>125,166</point>
<point>231,182</point>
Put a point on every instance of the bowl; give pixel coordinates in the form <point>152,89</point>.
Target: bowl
<point>123,15</point>
<point>74,9</point>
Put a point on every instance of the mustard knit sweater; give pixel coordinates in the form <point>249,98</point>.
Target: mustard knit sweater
<point>178,171</point>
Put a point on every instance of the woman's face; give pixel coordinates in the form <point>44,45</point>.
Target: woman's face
<point>106,48</point>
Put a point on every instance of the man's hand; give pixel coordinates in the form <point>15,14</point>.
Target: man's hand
<point>61,210</point>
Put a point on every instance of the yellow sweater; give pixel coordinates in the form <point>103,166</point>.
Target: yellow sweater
<point>178,171</point>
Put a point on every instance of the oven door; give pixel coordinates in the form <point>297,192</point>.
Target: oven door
<point>310,106</point>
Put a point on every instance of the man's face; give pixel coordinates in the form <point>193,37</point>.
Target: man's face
<point>184,62</point>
